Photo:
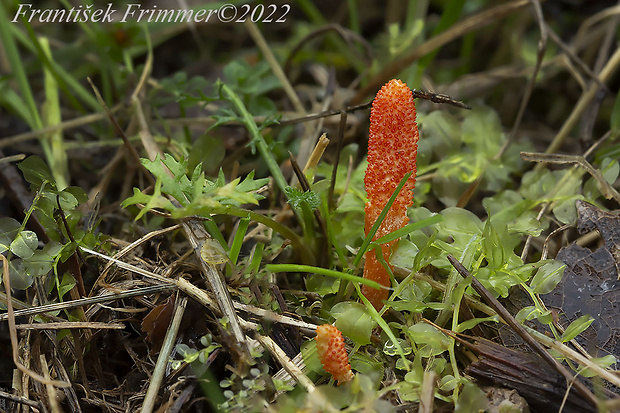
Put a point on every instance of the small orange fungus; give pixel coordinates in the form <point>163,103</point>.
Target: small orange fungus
<point>333,355</point>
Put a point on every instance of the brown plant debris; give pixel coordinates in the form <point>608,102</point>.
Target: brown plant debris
<point>527,373</point>
<point>590,284</point>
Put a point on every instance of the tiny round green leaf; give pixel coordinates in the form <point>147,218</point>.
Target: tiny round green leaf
<point>25,244</point>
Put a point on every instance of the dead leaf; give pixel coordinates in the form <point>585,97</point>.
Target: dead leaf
<point>156,323</point>
<point>590,284</point>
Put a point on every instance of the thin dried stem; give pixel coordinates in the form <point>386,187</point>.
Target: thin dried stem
<point>607,190</point>
<point>52,397</point>
<point>71,325</point>
<point>164,355</point>
<point>286,363</point>
<point>13,332</point>
<point>427,395</point>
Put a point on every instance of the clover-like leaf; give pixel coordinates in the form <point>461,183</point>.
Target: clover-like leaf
<point>8,230</point>
<point>471,399</point>
<point>20,279</point>
<point>36,171</point>
<point>428,338</point>
<point>353,320</point>
<point>40,263</point>
<point>25,244</point>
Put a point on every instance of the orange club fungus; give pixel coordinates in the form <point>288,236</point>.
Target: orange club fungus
<point>392,150</point>
<point>333,355</point>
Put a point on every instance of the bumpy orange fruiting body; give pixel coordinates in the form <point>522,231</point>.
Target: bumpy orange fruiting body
<point>333,355</point>
<point>392,150</point>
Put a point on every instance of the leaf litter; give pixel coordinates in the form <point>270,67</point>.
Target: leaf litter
<point>590,285</point>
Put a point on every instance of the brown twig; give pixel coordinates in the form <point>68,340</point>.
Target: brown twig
<point>71,325</point>
<point>19,399</point>
<point>607,190</point>
<point>439,98</point>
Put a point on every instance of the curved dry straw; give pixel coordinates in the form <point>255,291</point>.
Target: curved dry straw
<point>13,333</point>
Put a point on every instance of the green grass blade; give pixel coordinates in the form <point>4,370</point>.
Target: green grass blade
<point>380,219</point>
<point>325,212</point>
<point>414,226</point>
<point>257,257</point>
<point>13,101</point>
<point>322,271</point>
<point>51,116</point>
<point>374,314</point>
<point>18,71</point>
<point>235,248</point>
<point>67,82</point>
<point>263,148</point>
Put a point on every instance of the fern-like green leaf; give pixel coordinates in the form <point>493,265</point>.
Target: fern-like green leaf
<point>157,200</point>
<point>297,197</point>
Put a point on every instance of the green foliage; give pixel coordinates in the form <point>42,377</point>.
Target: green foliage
<point>207,150</point>
<point>346,221</point>
<point>26,259</point>
<point>605,362</point>
<point>179,88</point>
<point>29,260</point>
<point>298,199</point>
<point>428,340</point>
<point>489,246</point>
<point>471,399</point>
<point>195,195</point>
<point>465,151</point>
<point>247,393</point>
<point>534,312</point>
<point>9,229</point>
<point>576,327</point>
<point>547,277</point>
<point>192,355</point>
<point>24,244</point>
<point>251,83</point>
<point>361,394</point>
<point>353,321</point>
